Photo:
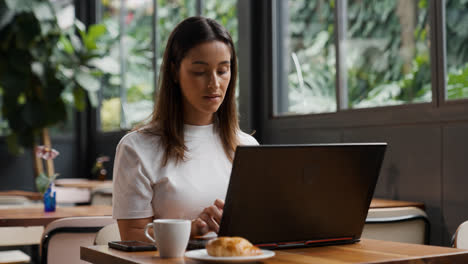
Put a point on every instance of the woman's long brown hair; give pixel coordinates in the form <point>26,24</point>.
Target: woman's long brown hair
<point>167,120</point>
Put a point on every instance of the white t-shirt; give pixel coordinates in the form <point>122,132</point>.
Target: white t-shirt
<point>142,188</point>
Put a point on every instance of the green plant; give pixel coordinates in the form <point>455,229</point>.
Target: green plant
<point>42,67</point>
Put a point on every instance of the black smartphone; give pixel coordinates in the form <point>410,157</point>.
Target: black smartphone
<point>132,245</point>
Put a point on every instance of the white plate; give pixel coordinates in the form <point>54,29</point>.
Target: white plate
<point>202,255</point>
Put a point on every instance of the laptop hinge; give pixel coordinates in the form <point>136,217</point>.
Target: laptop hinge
<point>309,242</point>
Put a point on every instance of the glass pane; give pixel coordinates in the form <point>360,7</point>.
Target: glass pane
<point>387,52</point>
<point>170,13</point>
<point>308,52</point>
<point>136,57</point>
<point>225,12</point>
<point>3,123</point>
<point>456,18</point>
<point>65,11</point>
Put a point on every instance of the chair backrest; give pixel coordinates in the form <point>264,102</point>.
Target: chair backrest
<point>460,238</point>
<point>400,224</point>
<point>107,234</point>
<point>63,237</point>
<point>13,257</point>
<point>72,196</point>
<point>101,196</point>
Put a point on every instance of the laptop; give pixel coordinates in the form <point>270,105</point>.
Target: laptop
<point>283,196</point>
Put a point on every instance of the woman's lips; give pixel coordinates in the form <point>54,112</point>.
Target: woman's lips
<point>212,98</point>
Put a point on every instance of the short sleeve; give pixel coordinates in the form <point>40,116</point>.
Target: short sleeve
<point>247,140</point>
<point>132,188</point>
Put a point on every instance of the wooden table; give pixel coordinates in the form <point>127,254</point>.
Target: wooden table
<point>34,216</point>
<point>383,203</point>
<point>366,251</point>
<point>83,183</point>
<point>35,196</point>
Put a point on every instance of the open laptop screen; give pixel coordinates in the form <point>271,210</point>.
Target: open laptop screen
<point>297,193</point>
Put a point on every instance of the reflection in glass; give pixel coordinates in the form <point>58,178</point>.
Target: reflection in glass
<point>387,53</point>
<point>309,57</point>
<point>456,26</point>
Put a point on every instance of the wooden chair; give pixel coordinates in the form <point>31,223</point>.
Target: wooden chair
<point>107,234</point>
<point>101,196</point>
<point>400,224</point>
<point>460,238</point>
<point>63,237</point>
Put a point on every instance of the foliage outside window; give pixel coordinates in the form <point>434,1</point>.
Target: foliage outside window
<point>456,27</point>
<point>130,63</point>
<point>310,57</point>
<point>387,53</point>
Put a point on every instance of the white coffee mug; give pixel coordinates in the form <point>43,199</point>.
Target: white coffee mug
<point>170,235</point>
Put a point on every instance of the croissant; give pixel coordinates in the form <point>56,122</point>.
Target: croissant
<point>231,247</point>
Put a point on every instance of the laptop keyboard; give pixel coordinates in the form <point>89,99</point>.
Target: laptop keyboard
<point>196,244</point>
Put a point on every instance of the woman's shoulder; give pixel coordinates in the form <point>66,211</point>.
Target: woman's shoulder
<point>246,139</point>
<point>139,138</point>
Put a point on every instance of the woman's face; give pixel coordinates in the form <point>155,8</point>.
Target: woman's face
<point>204,76</point>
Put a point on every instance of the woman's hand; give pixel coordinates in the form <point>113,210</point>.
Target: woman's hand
<point>208,220</point>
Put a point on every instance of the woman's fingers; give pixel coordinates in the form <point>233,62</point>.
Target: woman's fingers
<point>212,225</point>
<point>214,212</point>
<point>199,227</point>
<point>219,203</point>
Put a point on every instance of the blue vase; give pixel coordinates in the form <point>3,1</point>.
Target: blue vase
<point>49,199</point>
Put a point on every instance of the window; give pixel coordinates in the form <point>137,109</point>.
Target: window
<point>126,96</point>
<point>387,53</point>
<point>3,122</point>
<point>456,27</point>
<point>373,53</point>
<point>307,56</point>
<point>129,87</point>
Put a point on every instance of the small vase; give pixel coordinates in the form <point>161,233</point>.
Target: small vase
<point>49,199</point>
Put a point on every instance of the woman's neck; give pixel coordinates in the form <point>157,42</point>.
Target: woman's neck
<point>198,120</point>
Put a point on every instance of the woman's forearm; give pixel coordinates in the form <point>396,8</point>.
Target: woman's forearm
<point>134,229</point>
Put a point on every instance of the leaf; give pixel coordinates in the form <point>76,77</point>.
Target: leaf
<point>28,30</point>
<point>32,114</point>
<point>6,16</point>
<point>87,81</point>
<point>66,45</point>
<point>94,32</point>
<point>43,11</point>
<point>79,97</point>
<point>106,64</point>
<point>42,182</point>
<point>12,142</point>
<point>19,5</point>
<point>93,99</point>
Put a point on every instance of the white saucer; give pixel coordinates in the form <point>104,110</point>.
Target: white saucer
<point>202,255</point>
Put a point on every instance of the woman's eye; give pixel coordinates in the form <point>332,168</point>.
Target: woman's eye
<point>222,72</point>
<point>198,73</point>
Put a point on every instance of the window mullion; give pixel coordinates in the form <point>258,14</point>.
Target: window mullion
<point>123,88</point>
<point>340,46</point>
<point>438,52</point>
<point>155,41</point>
<point>200,5</point>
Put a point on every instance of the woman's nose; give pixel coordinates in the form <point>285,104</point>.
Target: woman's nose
<point>214,81</point>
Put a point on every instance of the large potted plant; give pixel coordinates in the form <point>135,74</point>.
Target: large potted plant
<point>42,63</point>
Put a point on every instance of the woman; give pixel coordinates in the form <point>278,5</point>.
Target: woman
<point>178,165</point>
